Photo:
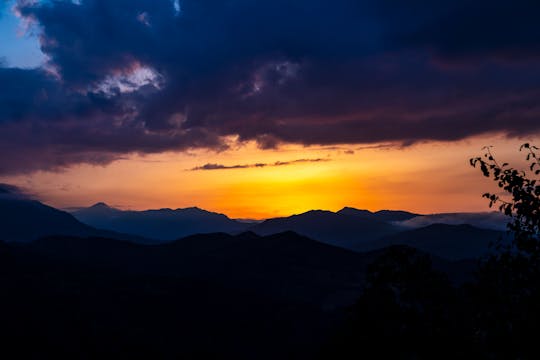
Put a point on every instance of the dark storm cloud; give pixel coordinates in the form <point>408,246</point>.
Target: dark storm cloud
<point>210,166</point>
<point>130,76</point>
<point>507,30</point>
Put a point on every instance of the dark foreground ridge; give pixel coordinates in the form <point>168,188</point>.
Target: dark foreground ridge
<point>204,296</point>
<point>26,220</point>
<point>92,293</point>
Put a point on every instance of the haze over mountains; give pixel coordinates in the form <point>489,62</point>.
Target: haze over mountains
<point>453,242</point>
<point>93,297</point>
<point>349,228</point>
<point>283,293</point>
<point>485,220</point>
<point>348,231</point>
<point>146,282</point>
<point>162,224</point>
<point>26,220</point>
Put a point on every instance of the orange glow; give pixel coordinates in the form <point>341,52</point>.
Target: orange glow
<point>425,178</point>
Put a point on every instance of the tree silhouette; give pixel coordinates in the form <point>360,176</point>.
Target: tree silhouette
<point>506,296</point>
<point>411,311</point>
<point>522,196</point>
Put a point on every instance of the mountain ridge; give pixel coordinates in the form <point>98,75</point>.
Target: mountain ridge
<point>452,242</point>
<point>352,229</point>
<point>26,220</point>
<point>162,224</point>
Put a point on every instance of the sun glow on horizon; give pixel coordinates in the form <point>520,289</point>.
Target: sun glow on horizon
<point>424,178</point>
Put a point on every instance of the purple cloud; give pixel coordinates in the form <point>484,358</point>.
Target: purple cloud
<point>211,166</point>
<point>141,76</point>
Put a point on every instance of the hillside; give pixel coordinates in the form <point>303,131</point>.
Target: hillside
<point>338,229</point>
<point>453,242</point>
<point>162,224</point>
<point>25,220</point>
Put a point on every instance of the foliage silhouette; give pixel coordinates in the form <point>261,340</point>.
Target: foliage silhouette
<point>522,200</point>
<point>507,293</point>
<point>408,310</point>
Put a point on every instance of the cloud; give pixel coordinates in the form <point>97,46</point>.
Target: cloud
<point>210,166</point>
<point>281,163</point>
<point>146,76</point>
<point>473,30</point>
<point>221,167</point>
<point>488,220</point>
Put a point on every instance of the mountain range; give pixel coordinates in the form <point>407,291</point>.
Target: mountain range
<point>162,224</point>
<point>220,288</point>
<point>452,242</point>
<point>26,220</point>
<point>349,228</point>
<point>88,298</point>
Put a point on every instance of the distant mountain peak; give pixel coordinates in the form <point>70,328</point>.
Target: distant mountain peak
<point>316,212</point>
<point>100,205</point>
<point>164,224</point>
<point>192,209</point>
<point>348,209</point>
<point>351,208</point>
<point>381,215</point>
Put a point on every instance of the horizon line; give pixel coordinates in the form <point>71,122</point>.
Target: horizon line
<point>72,209</point>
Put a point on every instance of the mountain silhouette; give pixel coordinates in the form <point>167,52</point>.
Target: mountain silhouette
<point>25,220</point>
<point>69,285</point>
<point>203,296</point>
<point>63,306</point>
<point>381,215</point>
<point>358,230</point>
<point>484,220</point>
<point>453,242</point>
<point>283,266</point>
<point>346,229</point>
<point>162,224</point>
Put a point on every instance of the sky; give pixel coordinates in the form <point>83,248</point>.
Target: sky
<point>264,108</point>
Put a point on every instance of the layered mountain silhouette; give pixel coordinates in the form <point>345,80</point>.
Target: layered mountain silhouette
<point>90,298</point>
<point>285,266</point>
<point>204,296</point>
<point>25,220</point>
<point>454,242</point>
<point>484,220</point>
<point>381,215</point>
<point>283,286</point>
<point>348,228</point>
<point>162,224</point>
<point>353,229</point>
<point>362,230</point>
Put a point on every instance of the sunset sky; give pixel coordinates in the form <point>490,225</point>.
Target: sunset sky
<point>265,108</point>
